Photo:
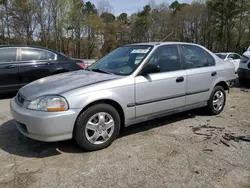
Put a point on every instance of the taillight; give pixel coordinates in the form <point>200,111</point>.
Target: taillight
<point>81,64</point>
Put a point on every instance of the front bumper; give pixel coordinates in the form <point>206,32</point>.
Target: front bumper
<point>244,73</point>
<point>44,126</point>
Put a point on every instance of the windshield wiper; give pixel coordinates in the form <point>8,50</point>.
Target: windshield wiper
<point>101,71</point>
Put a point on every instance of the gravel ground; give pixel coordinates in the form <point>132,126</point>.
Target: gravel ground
<point>161,153</point>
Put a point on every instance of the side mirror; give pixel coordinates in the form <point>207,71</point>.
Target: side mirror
<point>150,68</point>
<point>230,59</point>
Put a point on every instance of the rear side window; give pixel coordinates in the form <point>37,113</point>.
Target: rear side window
<point>236,56</point>
<point>196,57</point>
<point>8,54</point>
<point>36,55</point>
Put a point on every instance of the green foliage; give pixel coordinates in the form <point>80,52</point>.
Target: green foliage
<point>107,17</point>
<point>75,28</point>
<point>123,17</point>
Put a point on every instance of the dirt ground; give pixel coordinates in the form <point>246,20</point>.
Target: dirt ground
<point>183,150</point>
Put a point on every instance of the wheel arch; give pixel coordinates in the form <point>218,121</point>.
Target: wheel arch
<point>113,103</point>
<point>223,84</point>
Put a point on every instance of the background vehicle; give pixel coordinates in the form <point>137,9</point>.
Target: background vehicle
<point>118,90</point>
<point>85,62</point>
<point>20,65</point>
<point>244,69</point>
<point>232,57</point>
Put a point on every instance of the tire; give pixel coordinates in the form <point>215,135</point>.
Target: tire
<point>99,117</point>
<point>216,109</point>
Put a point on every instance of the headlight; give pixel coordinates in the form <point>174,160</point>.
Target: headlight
<point>49,104</point>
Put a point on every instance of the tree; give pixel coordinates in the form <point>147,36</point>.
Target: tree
<point>79,29</point>
<point>110,32</point>
<point>104,6</point>
<point>225,12</point>
<point>24,18</point>
<point>107,17</point>
<point>141,27</point>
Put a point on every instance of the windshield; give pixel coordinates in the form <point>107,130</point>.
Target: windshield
<point>122,61</point>
<point>222,56</point>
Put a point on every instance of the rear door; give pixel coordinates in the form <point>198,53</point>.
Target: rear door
<point>36,63</point>
<point>9,79</point>
<point>201,73</point>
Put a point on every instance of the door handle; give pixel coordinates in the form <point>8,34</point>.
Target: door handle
<point>213,73</point>
<point>179,79</point>
<point>10,66</point>
<point>48,63</point>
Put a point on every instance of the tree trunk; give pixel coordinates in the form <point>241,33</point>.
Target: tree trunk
<point>240,28</point>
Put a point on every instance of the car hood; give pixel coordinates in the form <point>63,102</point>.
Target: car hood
<point>62,83</point>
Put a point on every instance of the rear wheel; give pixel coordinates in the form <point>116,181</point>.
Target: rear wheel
<point>97,127</point>
<point>217,101</point>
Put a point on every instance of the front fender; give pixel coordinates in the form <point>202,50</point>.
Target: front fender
<point>121,95</point>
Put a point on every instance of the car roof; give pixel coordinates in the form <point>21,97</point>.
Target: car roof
<point>163,43</point>
<point>20,46</point>
<point>222,53</point>
<point>226,53</point>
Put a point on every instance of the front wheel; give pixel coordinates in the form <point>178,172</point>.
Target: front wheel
<point>217,101</point>
<point>97,127</point>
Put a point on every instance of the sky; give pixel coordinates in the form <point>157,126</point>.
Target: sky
<point>132,6</point>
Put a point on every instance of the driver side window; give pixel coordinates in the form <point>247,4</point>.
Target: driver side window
<point>167,58</point>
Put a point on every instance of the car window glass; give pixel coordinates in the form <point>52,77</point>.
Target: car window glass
<point>231,56</point>
<point>167,58</point>
<point>123,60</point>
<point>196,57</point>
<point>8,54</point>
<point>36,54</point>
<point>221,56</point>
<point>236,56</point>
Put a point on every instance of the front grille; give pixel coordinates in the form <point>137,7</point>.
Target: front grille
<point>20,99</point>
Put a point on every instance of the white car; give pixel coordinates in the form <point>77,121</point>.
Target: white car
<point>231,57</point>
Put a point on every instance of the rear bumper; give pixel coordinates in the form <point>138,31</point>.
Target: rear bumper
<point>44,126</point>
<point>244,74</point>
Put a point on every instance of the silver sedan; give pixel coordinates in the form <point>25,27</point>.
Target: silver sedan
<point>132,84</point>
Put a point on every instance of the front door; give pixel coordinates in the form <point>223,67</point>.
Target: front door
<point>163,91</point>
<point>36,63</point>
<point>9,79</point>
<point>201,73</point>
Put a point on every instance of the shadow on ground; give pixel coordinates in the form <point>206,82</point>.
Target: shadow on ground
<point>15,143</point>
<point>240,86</point>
